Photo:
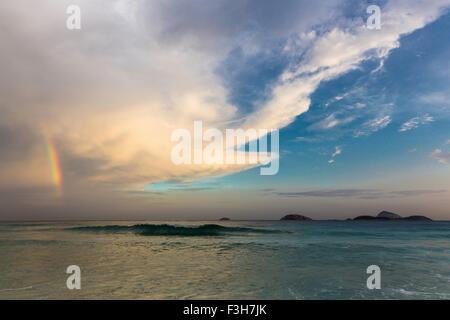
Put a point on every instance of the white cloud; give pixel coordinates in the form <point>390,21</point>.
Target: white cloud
<point>331,122</point>
<point>374,125</point>
<point>415,122</point>
<point>436,99</point>
<point>379,123</point>
<point>440,156</point>
<point>337,152</point>
<point>306,139</point>
<point>338,51</point>
<point>111,92</point>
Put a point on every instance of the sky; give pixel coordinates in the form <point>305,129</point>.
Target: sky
<point>87,115</point>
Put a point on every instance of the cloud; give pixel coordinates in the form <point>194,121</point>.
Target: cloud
<point>436,98</point>
<point>373,125</point>
<point>337,152</point>
<point>339,50</point>
<point>357,193</point>
<point>441,156</point>
<point>415,122</point>
<point>331,121</point>
<point>109,93</point>
<point>179,185</point>
<point>413,193</point>
<point>306,139</point>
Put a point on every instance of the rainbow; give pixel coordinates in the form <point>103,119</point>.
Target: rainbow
<point>55,167</point>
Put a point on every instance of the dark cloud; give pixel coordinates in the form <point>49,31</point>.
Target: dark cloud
<point>208,23</point>
<point>357,193</point>
<point>412,193</point>
<point>79,167</point>
<point>16,142</point>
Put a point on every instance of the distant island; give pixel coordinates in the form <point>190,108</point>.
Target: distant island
<point>386,215</point>
<point>224,219</point>
<point>383,215</point>
<point>296,217</point>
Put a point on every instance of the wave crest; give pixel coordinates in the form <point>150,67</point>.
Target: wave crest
<point>173,230</point>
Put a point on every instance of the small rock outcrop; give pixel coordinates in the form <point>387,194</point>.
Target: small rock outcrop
<point>295,217</point>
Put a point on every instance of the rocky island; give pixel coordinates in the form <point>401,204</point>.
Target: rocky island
<point>295,217</point>
<point>382,216</point>
<point>386,215</point>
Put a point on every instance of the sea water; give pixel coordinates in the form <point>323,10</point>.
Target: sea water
<point>225,260</point>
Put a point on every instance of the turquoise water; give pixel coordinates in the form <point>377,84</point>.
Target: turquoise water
<point>225,260</point>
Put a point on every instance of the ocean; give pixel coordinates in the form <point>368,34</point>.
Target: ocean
<point>225,260</point>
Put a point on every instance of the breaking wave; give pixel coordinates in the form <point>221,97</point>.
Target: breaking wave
<point>173,230</point>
